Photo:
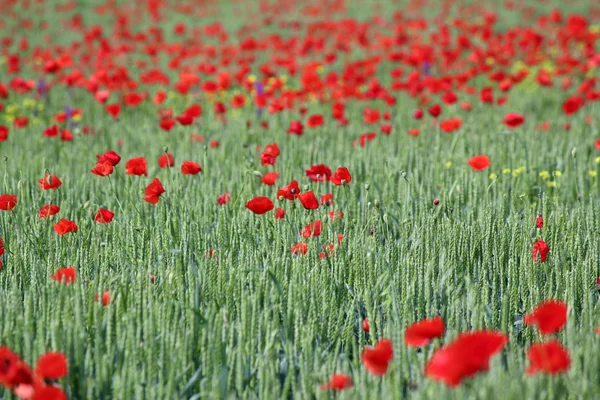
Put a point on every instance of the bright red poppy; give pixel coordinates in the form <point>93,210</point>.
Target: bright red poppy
<point>572,105</point>
<point>549,357</point>
<point>65,275</point>
<point>110,157</point>
<point>312,229</point>
<point>549,316</point>
<point>421,333</point>
<point>450,125</point>
<point>50,182</point>
<point>377,359</point>
<point>52,365</point>
<point>365,325</point>
<point>300,248</point>
<point>279,214</point>
<point>296,128</point>
<point>341,177</point>
<point>540,247</point>
<point>114,110</point>
<point>539,222</point>
<point>48,210</point>
<point>314,121</point>
<point>190,168</point>
<point>166,161</point>
<point>513,120</point>
<point>326,199</point>
<point>338,382</point>
<point>104,216</point>
<point>105,297</point>
<point>137,166</point>
<point>269,156</point>
<point>319,173</point>
<point>309,200</point>
<point>102,169</point>
<point>8,202</point>
<point>65,226</point>
<point>479,162</point>
<point>224,199</point>
<point>260,205</point>
<point>289,192</point>
<point>435,110</point>
<point>269,178</point>
<point>3,133</point>
<point>153,191</point>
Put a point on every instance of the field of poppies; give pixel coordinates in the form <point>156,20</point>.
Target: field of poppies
<point>284,199</point>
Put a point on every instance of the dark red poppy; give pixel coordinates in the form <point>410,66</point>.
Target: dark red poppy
<point>467,355</point>
<point>137,166</point>
<point>166,161</point>
<point>153,191</point>
<point>338,382</point>
<point>279,214</point>
<point>540,247</point>
<point>290,191</point>
<point>260,205</point>
<point>312,229</point>
<point>105,298</point>
<point>194,111</point>
<point>421,333</point>
<point>418,114</point>
<point>3,133</point>
<point>371,116</point>
<point>539,222</point>
<point>49,392</point>
<point>65,226</point>
<point>185,119</point>
<point>21,122</point>
<point>309,200</point>
<point>365,325</point>
<point>269,156</point>
<point>300,248</point>
<point>50,182</point>
<point>167,124</point>
<point>114,110</point>
<point>549,357</point>
<point>104,216</point>
<point>513,120</point>
<point>341,177</point>
<point>224,198</point>
<point>572,105</point>
<point>435,110</point>
<point>377,359</point>
<point>52,365</point>
<point>549,316</point>
<point>296,128</point>
<point>8,202</point>
<point>326,199</point>
<point>190,168</point>
<point>110,157</point>
<point>269,178</point>
<point>102,169</point>
<point>65,275</point>
<point>314,121</point>
<point>52,131</point>
<point>319,173</point>
<point>9,362</point>
<point>48,210</point>
<point>365,138</point>
<point>479,163</point>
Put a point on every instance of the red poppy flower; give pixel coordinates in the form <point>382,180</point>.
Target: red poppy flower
<point>326,199</point>
<point>166,161</point>
<point>9,362</point>
<point>65,275</point>
<point>52,131</point>
<point>269,156</point>
<point>513,120</point>
<point>365,138</point>
<point>110,157</point>
<point>421,333</point>
<point>435,110</point>
<point>414,132</point>
<point>377,359</point>
<point>296,128</point>
<point>224,198</point>
<point>338,382</point>
<point>153,191</point>
<point>300,248</point>
<point>49,392</point>
<point>190,168</point>
<point>572,104</point>
<point>290,191</point>
<point>102,169</point>
<point>50,182</point>
<point>3,133</point>
<point>279,214</point>
<point>269,178</point>
<point>465,106</point>
<point>260,205</point>
<point>418,114</point>
<point>104,216</point>
<point>540,247</point>
<point>314,121</point>
<point>550,358</point>
<point>137,166</point>
<point>105,298</point>
<point>167,124</point>
<point>48,210</point>
<point>8,202</point>
<point>114,110</point>
<point>312,229</point>
<point>342,176</point>
<point>194,111</point>
<point>309,200</point>
<point>450,125</point>
<point>318,173</point>
<point>365,325</point>
<point>386,129</point>
<point>185,119</point>
<point>550,316</point>
<point>370,116</point>
<point>539,222</point>
<point>467,355</point>
<point>65,226</point>
<point>21,122</point>
<point>479,163</point>
<point>52,365</point>
<point>133,99</point>
<point>214,144</point>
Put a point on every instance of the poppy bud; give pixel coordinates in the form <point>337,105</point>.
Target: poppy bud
<point>539,223</point>
<point>367,187</point>
<point>305,188</point>
<point>165,149</point>
<point>436,202</point>
<point>257,173</point>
